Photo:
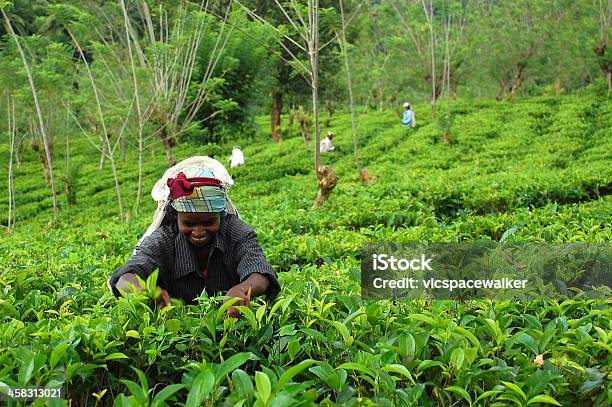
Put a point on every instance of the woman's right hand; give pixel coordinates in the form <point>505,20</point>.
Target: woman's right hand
<point>164,298</point>
<point>128,282</point>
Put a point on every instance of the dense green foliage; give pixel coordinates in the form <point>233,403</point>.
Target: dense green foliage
<point>536,170</point>
<point>480,48</point>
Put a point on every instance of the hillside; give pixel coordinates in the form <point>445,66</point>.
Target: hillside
<point>537,170</point>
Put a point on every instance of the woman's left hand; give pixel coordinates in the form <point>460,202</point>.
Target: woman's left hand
<point>242,292</point>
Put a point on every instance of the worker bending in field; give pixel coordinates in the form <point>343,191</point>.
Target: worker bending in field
<point>326,145</point>
<point>197,241</point>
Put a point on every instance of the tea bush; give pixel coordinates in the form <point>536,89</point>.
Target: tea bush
<point>537,170</point>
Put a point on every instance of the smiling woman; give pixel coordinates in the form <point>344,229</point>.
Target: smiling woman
<point>198,242</point>
<point>199,227</point>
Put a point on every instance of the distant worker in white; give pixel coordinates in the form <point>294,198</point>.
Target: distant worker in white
<point>326,145</point>
<point>237,158</point>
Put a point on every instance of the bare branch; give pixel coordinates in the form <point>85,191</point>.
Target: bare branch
<point>344,26</point>
<point>293,23</point>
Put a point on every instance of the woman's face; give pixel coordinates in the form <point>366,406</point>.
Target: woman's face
<point>199,227</point>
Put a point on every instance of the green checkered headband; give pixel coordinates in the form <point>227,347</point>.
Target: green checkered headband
<point>187,194</point>
<point>197,190</point>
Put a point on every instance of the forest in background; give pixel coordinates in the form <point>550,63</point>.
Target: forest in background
<point>140,74</point>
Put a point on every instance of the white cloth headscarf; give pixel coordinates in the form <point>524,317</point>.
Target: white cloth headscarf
<point>161,192</point>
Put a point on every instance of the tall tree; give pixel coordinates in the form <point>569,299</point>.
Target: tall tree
<point>165,41</point>
<point>304,19</point>
<point>12,208</point>
<point>39,112</point>
<point>344,47</point>
<point>435,32</point>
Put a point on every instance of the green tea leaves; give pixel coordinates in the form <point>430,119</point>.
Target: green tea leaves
<point>200,388</point>
<point>264,388</point>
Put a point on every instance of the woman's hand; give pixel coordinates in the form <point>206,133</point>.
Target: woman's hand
<point>238,291</point>
<point>164,298</point>
<point>256,284</point>
<point>128,282</point>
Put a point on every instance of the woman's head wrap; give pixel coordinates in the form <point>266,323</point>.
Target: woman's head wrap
<point>197,190</point>
<point>197,184</point>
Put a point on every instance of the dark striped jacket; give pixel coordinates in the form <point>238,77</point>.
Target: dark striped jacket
<point>235,254</point>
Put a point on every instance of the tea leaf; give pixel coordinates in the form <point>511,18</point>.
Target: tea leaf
<point>243,383</point>
<point>58,353</point>
<point>132,334</point>
<point>401,369</point>
<point>426,364</point>
<point>515,389</point>
<point>135,390</point>
<point>357,366</point>
<point>542,398</point>
<point>460,391</point>
<point>165,394</point>
<point>231,364</point>
<point>200,388</point>
<point>26,371</point>
<point>346,336</point>
<point>264,387</point>
<point>293,371</point>
<point>457,357</point>
<point>250,317</point>
<point>116,355</point>
<point>524,339</point>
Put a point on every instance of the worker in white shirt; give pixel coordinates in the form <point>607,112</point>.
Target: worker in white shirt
<point>326,145</point>
<point>237,157</point>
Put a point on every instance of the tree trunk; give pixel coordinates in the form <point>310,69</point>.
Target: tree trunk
<point>430,14</point>
<point>168,144</point>
<point>290,120</point>
<point>518,80</point>
<point>122,144</point>
<point>19,151</point>
<point>169,156</point>
<point>103,131</point>
<point>103,154</point>
<point>67,142</point>
<point>330,108</point>
<point>363,173</point>
<point>558,87</point>
<point>11,188</point>
<point>140,170</point>
<point>515,87</point>
<point>304,121</point>
<point>313,50</point>
<point>42,158</point>
<point>503,83</point>
<point>68,190</point>
<point>381,95</point>
<point>604,64</point>
<point>277,105</point>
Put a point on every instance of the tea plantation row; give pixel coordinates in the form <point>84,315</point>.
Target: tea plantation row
<point>537,170</point>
